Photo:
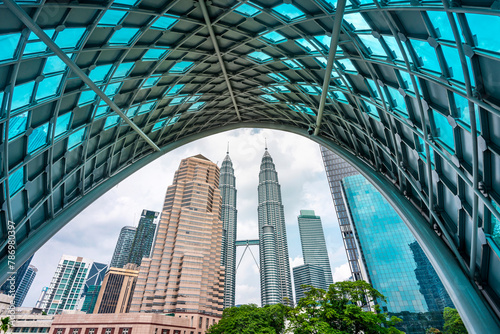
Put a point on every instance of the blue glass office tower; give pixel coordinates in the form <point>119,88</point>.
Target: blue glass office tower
<point>144,237</point>
<point>25,285</point>
<point>227,186</point>
<point>123,247</point>
<point>308,274</point>
<point>391,259</point>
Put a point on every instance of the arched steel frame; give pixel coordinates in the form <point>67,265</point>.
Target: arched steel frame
<point>92,91</point>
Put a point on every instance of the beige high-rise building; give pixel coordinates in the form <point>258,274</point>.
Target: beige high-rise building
<point>116,291</point>
<point>184,275</point>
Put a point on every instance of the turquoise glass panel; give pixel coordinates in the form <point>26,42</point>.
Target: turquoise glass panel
<point>293,64</point>
<point>175,90</point>
<point>372,87</point>
<point>124,36</point>
<point>407,80</point>
<point>16,181</point>
<point>310,89</point>
<point>173,120</point>
<point>112,89</point>
<point>164,23</point>
<point>306,45</point>
<point>371,109</point>
<point>339,96</point>
<point>86,97</point>
<point>269,98</point>
<point>112,17</point>
<point>38,138</point>
<point>48,87</point>
<point>322,61</point>
<point>181,67</point>
<point>373,44</point>
<point>158,125</point>
<point>53,65</point>
<point>398,100</point>
<point>441,24</point>
<point>123,70</point>
<point>260,57</point>
<point>453,61</point>
<point>427,54</point>
<point>22,95</point>
<point>9,46</point>
<point>194,98</point>
<point>154,54</point>
<point>62,124</point>
<point>111,121</point>
<point>128,3</point>
<point>132,111</point>
<point>69,38</point>
<point>100,73</point>
<point>301,109</point>
<point>485,29</point>
<point>323,41</point>
<point>274,37</point>
<point>76,138</point>
<point>196,106</point>
<point>463,115</point>
<point>422,154</point>
<point>289,12</point>
<point>247,10</point>
<point>267,90</point>
<point>357,21</point>
<point>278,77</point>
<point>150,82</point>
<point>347,65</point>
<point>176,101</point>
<point>146,107</point>
<point>444,131</point>
<point>495,226</point>
<point>281,89</point>
<point>101,110</point>
<point>393,46</point>
<point>17,125</point>
<point>39,46</point>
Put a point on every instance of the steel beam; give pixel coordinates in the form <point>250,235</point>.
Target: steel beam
<point>337,25</point>
<point>219,56</point>
<point>28,21</point>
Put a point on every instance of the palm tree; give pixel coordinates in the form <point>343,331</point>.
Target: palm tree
<point>6,324</point>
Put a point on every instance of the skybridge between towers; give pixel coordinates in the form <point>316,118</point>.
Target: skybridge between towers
<point>247,244</point>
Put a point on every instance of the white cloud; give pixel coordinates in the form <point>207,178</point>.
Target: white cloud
<point>341,273</point>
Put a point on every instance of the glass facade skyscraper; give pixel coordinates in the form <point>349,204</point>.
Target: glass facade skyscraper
<point>312,239</point>
<point>392,260</point>
<point>275,278</point>
<point>123,247</point>
<point>307,274</point>
<point>227,186</point>
<point>336,169</point>
<point>24,286</point>
<point>144,237</point>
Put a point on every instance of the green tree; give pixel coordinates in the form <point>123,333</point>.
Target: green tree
<point>6,324</point>
<point>337,311</point>
<point>249,319</point>
<point>453,324</point>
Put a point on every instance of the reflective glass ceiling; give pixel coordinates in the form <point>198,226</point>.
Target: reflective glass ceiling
<point>406,98</point>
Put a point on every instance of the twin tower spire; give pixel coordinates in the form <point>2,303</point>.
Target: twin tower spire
<point>275,279</point>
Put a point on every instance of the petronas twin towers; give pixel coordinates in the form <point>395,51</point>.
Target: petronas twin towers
<point>275,279</point>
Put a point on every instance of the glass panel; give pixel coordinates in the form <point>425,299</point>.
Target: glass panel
<point>175,90</point>
<point>164,23</point>
<point>485,28</point>
<point>310,89</point>
<point>124,36</point>
<point>278,77</point>
<point>76,138</point>
<point>347,65</point>
<point>158,125</point>
<point>463,115</point>
<point>16,181</point>
<point>453,61</point>
<point>86,97</point>
<point>407,80</point>
<point>146,107</point>
<point>181,67</point>
<point>154,54</point>
<point>173,120</point>
<point>22,95</point>
<point>38,138</point>
<point>128,3</point>
<point>48,87</point>
<point>373,44</point>
<point>421,151</point>
<point>324,42</point>
<point>150,82</point>
<point>123,70</point>
<point>53,65</point>
<point>495,225</point>
<point>112,89</point>
<point>289,12</point>
<point>194,98</point>
<point>62,124</point>
<point>112,17</point>
<point>293,64</point>
<point>196,106</point>
<point>69,37</point>
<point>260,57</point>
<point>17,125</point>
<point>34,45</point>
<point>371,109</point>
<point>357,21</point>
<point>269,98</point>
<point>111,121</point>
<point>176,101</point>
<point>372,86</point>
<point>441,25</point>
<point>100,73</point>
<point>302,109</point>
<point>444,131</point>
<point>339,96</point>
<point>9,46</point>
<point>321,61</point>
<point>306,45</point>
<point>398,100</point>
<point>393,46</point>
<point>247,10</point>
<point>132,111</point>
<point>274,37</point>
<point>282,89</point>
<point>427,54</point>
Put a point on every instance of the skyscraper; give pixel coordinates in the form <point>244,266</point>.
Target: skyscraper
<point>391,259</point>
<point>227,186</point>
<point>67,285</point>
<point>144,236</point>
<point>115,295</point>
<point>312,239</point>
<point>24,285</point>
<point>307,274</point>
<point>184,275</point>
<point>16,278</point>
<point>273,248</point>
<point>95,275</point>
<point>336,169</point>
<point>123,247</point>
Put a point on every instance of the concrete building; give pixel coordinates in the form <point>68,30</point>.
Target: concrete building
<point>144,237</point>
<point>115,295</point>
<point>184,275</point>
<point>307,274</point>
<point>123,247</point>
<point>31,320</point>
<point>312,239</point>
<point>275,278</point>
<point>227,186</point>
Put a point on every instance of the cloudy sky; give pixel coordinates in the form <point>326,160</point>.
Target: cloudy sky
<point>93,233</point>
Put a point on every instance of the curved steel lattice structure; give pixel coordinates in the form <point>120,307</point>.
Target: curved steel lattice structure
<point>406,90</point>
